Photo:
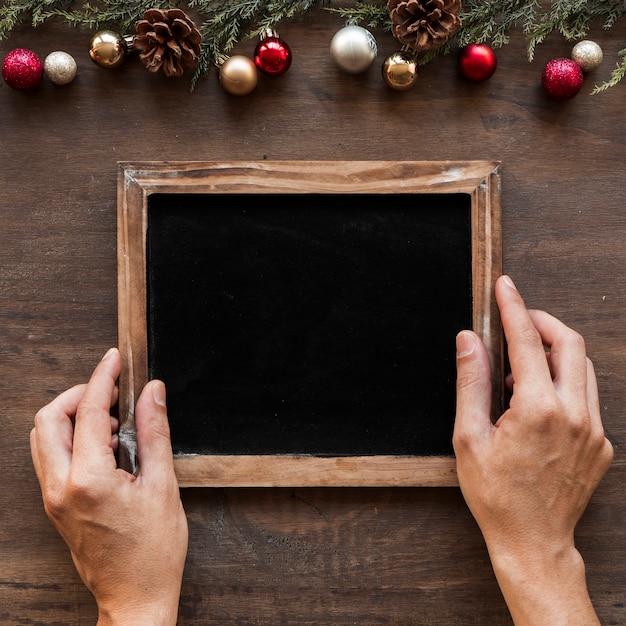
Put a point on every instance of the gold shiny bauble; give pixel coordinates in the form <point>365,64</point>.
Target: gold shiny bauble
<point>587,54</point>
<point>60,67</point>
<point>400,71</point>
<point>353,49</point>
<point>108,49</point>
<point>238,75</point>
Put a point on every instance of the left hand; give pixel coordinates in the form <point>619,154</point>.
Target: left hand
<point>127,535</point>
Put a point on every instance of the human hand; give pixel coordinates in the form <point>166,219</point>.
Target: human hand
<point>127,535</point>
<point>528,479</point>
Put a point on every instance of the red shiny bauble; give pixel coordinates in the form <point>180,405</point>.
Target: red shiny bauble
<point>562,78</point>
<point>272,56</point>
<point>477,62</point>
<point>22,69</point>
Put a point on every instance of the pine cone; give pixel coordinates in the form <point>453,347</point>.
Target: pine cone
<point>424,24</point>
<point>167,39</point>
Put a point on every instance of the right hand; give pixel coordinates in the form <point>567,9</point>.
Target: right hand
<point>528,479</point>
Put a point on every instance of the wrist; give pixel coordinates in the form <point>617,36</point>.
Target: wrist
<point>143,615</point>
<point>545,587</point>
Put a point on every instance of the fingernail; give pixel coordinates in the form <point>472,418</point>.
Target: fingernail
<point>108,353</point>
<point>158,392</point>
<point>508,281</point>
<point>465,344</point>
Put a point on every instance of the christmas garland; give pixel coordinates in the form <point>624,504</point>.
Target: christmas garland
<point>425,28</point>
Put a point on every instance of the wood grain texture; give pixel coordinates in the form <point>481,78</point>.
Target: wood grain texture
<point>323,556</point>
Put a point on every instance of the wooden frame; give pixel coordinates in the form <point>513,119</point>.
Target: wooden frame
<point>137,181</point>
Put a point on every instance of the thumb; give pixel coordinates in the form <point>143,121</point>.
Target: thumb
<point>473,390</point>
<point>154,446</point>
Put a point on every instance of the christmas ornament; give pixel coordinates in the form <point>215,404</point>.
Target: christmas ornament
<point>60,67</point>
<point>400,70</point>
<point>108,49</point>
<point>424,24</point>
<point>22,70</point>
<point>353,49</point>
<point>167,40</point>
<point>477,62</point>
<point>587,54</point>
<point>428,26</point>
<point>238,75</point>
<point>272,55</point>
<point>562,78</point>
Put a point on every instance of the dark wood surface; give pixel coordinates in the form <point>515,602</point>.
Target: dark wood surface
<point>302,556</point>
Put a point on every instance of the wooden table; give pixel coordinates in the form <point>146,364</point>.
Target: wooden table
<point>315,556</point>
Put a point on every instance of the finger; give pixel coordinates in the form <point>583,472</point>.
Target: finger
<point>527,358</point>
<point>92,431</point>
<point>510,382</point>
<point>568,358</point>
<point>115,425</point>
<point>52,436</point>
<point>473,391</point>
<point>593,398</point>
<point>154,446</point>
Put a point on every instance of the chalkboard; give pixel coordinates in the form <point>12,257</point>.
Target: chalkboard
<point>303,315</point>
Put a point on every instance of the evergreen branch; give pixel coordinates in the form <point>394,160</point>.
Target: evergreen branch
<point>229,24</point>
<point>369,15</point>
<point>16,12</point>
<point>616,75</point>
<point>224,23</point>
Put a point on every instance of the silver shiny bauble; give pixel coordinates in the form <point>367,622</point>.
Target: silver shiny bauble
<point>353,49</point>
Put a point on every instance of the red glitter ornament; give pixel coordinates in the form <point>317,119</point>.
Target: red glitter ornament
<point>477,62</point>
<point>562,78</point>
<point>22,69</point>
<point>272,55</point>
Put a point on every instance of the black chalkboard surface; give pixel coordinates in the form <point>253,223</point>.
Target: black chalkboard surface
<point>318,324</point>
<point>303,314</point>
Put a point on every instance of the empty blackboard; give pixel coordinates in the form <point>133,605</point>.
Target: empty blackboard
<point>303,314</point>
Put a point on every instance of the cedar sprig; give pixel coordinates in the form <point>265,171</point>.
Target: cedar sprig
<point>616,75</point>
<point>229,23</point>
<point>224,23</point>
<point>366,15</point>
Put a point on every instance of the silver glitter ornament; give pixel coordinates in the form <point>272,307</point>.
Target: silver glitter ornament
<point>353,49</point>
<point>60,67</point>
<point>587,54</point>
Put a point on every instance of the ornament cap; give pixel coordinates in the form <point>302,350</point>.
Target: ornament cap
<point>221,59</point>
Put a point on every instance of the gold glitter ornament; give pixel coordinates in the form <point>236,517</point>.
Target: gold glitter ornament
<point>60,67</point>
<point>400,71</point>
<point>238,74</point>
<point>587,54</point>
<point>109,49</point>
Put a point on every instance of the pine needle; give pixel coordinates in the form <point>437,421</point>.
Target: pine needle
<point>224,23</point>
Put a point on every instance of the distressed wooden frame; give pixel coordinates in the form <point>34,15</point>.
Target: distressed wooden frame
<point>137,181</point>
